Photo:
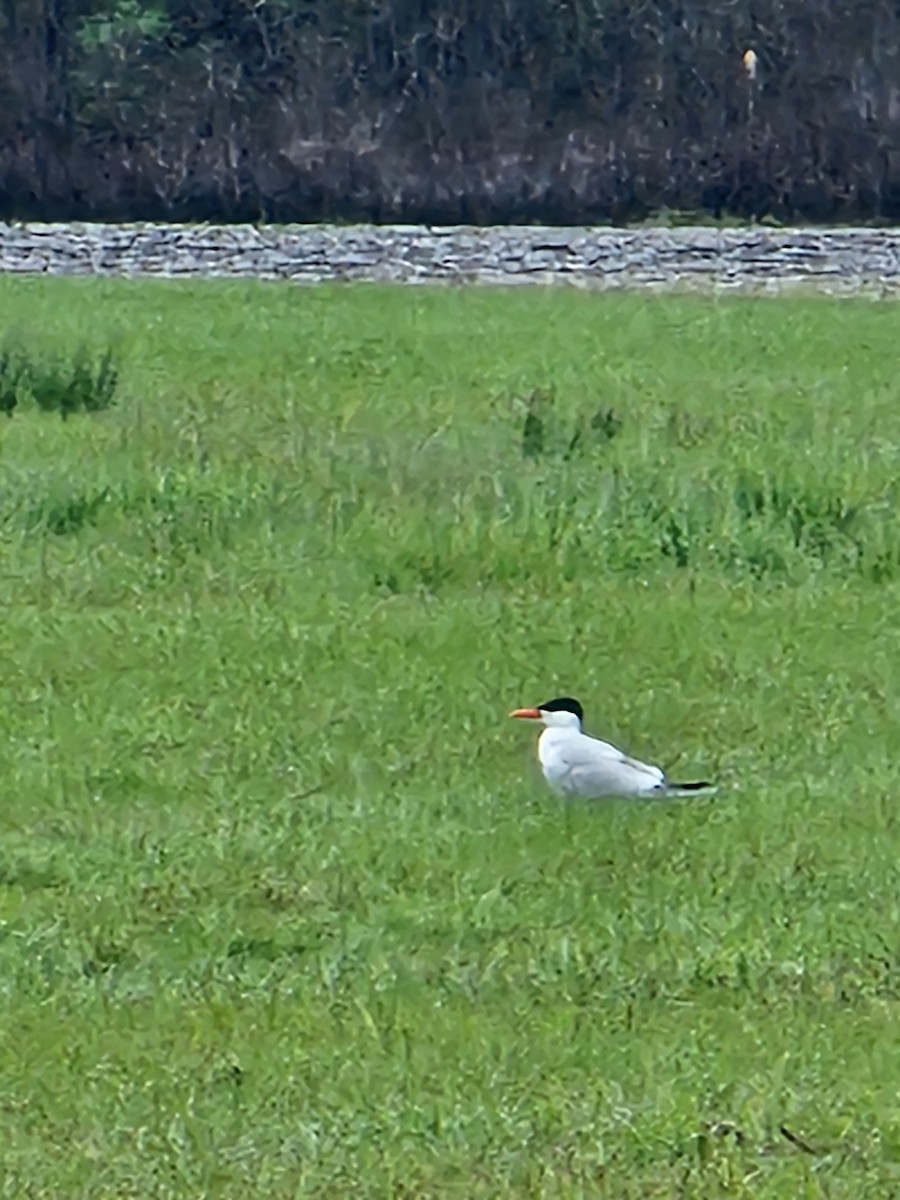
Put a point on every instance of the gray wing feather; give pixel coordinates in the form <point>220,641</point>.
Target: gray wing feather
<point>602,769</point>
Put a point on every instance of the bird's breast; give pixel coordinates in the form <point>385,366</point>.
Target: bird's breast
<point>551,754</point>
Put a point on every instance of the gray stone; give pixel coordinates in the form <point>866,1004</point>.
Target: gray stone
<point>839,261</point>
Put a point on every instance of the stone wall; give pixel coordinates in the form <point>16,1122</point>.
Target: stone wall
<point>756,259</point>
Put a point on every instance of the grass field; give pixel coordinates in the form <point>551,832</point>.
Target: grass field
<point>285,908</point>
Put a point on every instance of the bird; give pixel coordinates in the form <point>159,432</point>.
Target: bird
<point>575,764</point>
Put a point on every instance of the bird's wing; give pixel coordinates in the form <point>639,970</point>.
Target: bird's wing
<point>594,767</point>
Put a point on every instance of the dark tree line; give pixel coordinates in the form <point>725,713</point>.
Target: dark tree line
<point>448,110</point>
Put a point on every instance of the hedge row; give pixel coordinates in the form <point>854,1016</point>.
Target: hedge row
<point>454,110</point>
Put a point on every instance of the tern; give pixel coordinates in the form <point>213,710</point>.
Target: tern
<point>575,764</point>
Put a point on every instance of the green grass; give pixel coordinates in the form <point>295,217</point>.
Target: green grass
<point>285,909</point>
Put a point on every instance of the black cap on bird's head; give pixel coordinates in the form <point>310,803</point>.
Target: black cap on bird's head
<point>553,712</point>
<point>563,704</point>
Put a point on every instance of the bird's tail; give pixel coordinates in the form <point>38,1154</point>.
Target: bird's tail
<point>702,788</point>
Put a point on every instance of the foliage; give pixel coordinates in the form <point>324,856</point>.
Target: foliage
<point>55,383</point>
<point>285,909</point>
<point>461,111</point>
<point>10,375</point>
<point>123,27</point>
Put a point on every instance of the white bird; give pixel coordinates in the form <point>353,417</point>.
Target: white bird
<point>575,764</point>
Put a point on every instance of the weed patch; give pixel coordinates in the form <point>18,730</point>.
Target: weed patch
<point>80,383</point>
